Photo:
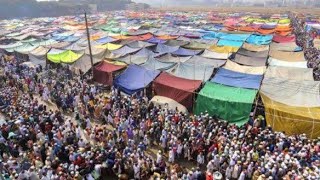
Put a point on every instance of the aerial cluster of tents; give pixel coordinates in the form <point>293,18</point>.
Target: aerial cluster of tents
<point>221,64</point>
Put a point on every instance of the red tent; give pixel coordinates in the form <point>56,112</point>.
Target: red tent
<point>176,88</point>
<point>103,72</point>
<point>284,39</point>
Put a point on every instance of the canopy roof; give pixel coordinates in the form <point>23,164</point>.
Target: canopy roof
<point>63,56</point>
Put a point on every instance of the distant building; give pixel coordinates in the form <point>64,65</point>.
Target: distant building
<point>137,7</point>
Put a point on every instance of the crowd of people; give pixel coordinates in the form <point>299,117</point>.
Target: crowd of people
<point>59,126</point>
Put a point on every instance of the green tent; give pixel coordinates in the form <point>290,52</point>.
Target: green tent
<point>64,57</point>
<point>228,103</point>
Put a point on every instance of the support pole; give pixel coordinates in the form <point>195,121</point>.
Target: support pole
<point>89,43</point>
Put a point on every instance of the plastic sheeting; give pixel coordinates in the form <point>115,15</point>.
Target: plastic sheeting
<point>154,64</point>
<point>287,56</point>
<point>292,120</point>
<point>162,48</point>
<point>193,71</point>
<point>244,69</point>
<point>228,103</point>
<point>106,40</point>
<point>290,46</point>
<point>179,89</point>
<point>197,45</point>
<point>176,43</point>
<point>236,79</point>
<point>255,48</point>
<point>246,52</point>
<point>135,79</point>
<point>186,52</point>
<point>109,46</point>
<point>250,61</point>
<point>63,57</point>
<point>170,58</point>
<point>283,39</point>
<point>84,63</point>
<point>277,62</point>
<point>139,44</point>
<point>235,37</point>
<point>259,39</point>
<point>215,55</point>
<point>125,50</point>
<point>38,56</point>
<point>299,74</point>
<point>292,92</point>
<point>138,58</point>
<point>223,49</point>
<point>206,61</point>
<point>231,43</point>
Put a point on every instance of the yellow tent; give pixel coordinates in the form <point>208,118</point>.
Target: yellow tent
<point>223,49</point>
<point>109,46</point>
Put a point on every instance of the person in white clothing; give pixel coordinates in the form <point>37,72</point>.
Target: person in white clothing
<point>171,155</point>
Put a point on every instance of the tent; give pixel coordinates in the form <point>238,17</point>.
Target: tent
<point>283,39</point>
<point>139,44</point>
<point>106,40</point>
<point>84,63</point>
<point>199,60</point>
<point>138,58</point>
<point>62,56</point>
<point>237,79</point>
<point>154,64</point>
<point>162,48</point>
<point>223,49</point>
<point>179,89</point>
<point>255,48</point>
<point>104,71</point>
<point>197,45</point>
<point>263,54</point>
<point>231,43</point>
<point>169,103</point>
<point>176,43</point>
<point>170,58</point>
<point>290,73</point>
<point>290,46</point>
<point>259,39</point>
<point>244,69</point>
<point>228,103</point>
<point>250,61</point>
<point>135,79</point>
<point>193,71</point>
<point>215,55</point>
<point>287,56</point>
<point>292,106</point>
<point>186,52</point>
<point>38,56</point>
<point>277,62</point>
<point>123,51</point>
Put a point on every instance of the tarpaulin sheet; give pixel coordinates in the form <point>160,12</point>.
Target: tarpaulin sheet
<point>75,47</point>
<point>290,46</point>
<point>135,79</point>
<point>84,63</point>
<point>215,55</point>
<point>250,61</point>
<point>231,43</point>
<point>176,43</point>
<point>186,52</point>
<point>256,48</point>
<point>235,37</point>
<point>138,58</point>
<point>244,69</point>
<point>170,58</point>
<point>228,103</point>
<point>246,52</point>
<point>290,119</point>
<point>223,49</point>
<point>24,49</point>
<point>125,50</point>
<point>277,62</point>
<point>236,79</point>
<point>197,46</point>
<point>176,88</point>
<point>292,92</point>
<point>154,64</point>
<point>206,61</point>
<point>290,73</point>
<point>155,40</point>
<point>106,40</point>
<point>139,44</point>
<point>110,46</point>
<point>162,48</point>
<point>193,71</point>
<point>103,72</point>
<point>64,57</point>
<point>259,39</point>
<point>283,39</point>
<point>287,56</point>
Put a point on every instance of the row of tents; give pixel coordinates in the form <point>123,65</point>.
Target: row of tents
<point>205,62</point>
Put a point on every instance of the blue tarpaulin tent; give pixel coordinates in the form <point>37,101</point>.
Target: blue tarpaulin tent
<point>135,79</point>
<point>259,39</point>
<point>106,40</point>
<point>186,52</point>
<point>223,42</point>
<point>237,79</point>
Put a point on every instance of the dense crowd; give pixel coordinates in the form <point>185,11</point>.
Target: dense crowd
<point>59,126</point>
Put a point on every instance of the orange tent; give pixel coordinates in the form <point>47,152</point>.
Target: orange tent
<point>266,31</point>
<point>247,29</point>
<point>167,37</point>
